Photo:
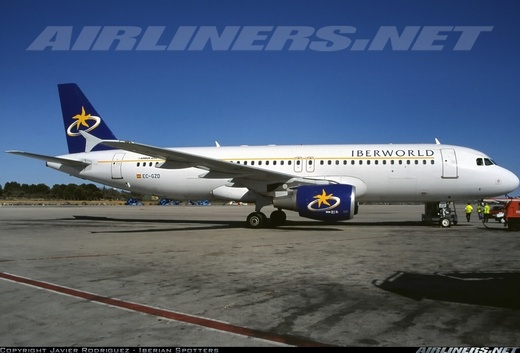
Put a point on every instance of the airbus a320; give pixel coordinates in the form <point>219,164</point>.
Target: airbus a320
<point>322,182</point>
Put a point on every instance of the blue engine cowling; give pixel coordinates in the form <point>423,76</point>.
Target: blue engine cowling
<point>331,202</point>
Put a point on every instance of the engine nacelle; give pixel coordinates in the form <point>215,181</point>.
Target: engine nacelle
<point>331,202</point>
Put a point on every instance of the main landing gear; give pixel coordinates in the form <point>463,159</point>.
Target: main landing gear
<point>259,220</point>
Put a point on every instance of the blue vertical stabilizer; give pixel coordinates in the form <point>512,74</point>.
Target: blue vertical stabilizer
<point>79,114</point>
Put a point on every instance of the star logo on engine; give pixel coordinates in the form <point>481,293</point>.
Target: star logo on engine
<point>323,198</point>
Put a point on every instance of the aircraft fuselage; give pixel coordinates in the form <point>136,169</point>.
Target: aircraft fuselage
<point>418,172</point>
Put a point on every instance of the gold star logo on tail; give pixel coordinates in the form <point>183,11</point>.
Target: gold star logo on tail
<point>83,119</point>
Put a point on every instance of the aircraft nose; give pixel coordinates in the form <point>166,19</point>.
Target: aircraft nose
<point>510,181</point>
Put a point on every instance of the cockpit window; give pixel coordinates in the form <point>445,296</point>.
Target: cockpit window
<point>485,161</point>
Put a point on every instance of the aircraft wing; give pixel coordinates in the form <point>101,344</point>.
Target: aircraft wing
<point>256,179</point>
<point>215,168</point>
<point>70,162</point>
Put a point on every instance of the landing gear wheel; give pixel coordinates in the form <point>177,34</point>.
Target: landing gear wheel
<point>445,222</point>
<point>278,218</point>
<point>256,220</point>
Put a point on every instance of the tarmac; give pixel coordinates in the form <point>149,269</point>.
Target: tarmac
<point>195,276</point>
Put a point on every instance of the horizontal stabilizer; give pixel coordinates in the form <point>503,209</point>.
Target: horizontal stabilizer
<point>71,162</point>
<point>91,141</point>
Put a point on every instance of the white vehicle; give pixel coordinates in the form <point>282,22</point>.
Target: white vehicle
<point>323,182</point>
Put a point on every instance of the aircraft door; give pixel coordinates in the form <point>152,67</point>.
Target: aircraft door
<point>449,163</point>
<point>117,166</point>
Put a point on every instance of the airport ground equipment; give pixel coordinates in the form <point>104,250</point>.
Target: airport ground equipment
<point>443,213</point>
<point>509,216</point>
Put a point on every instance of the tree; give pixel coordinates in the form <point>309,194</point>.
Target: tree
<point>12,189</point>
<point>87,192</point>
<point>92,192</point>
<point>58,191</point>
<point>40,191</point>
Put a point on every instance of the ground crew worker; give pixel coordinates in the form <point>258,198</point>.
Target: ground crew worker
<point>468,209</point>
<point>479,211</point>
<point>487,210</point>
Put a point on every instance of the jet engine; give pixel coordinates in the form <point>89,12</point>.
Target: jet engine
<point>330,202</point>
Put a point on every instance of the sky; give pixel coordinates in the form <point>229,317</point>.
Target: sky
<point>285,72</point>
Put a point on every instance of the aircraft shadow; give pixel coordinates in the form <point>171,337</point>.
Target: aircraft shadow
<point>302,225</point>
<point>497,289</point>
<point>203,224</point>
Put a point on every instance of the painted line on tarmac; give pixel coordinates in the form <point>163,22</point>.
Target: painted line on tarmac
<point>171,315</point>
<point>87,256</point>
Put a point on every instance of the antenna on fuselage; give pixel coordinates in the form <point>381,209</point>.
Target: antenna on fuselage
<point>437,142</point>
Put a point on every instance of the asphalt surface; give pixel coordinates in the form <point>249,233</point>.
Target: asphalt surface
<point>194,276</point>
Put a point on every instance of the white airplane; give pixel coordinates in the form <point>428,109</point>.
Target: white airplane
<point>323,182</point>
